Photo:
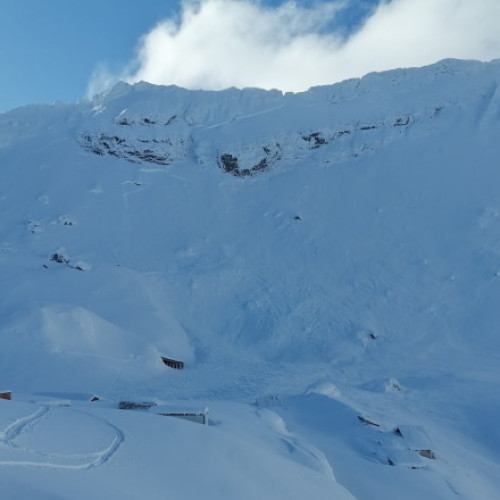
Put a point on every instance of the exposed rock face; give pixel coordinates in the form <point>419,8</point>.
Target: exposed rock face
<point>143,151</point>
<point>246,132</point>
<point>165,142</point>
<point>230,163</point>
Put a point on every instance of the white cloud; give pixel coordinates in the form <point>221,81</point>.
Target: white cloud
<point>101,79</point>
<point>217,44</point>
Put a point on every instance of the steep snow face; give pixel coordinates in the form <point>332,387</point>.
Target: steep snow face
<point>245,132</point>
<point>359,194</point>
<point>150,124</point>
<point>342,242</point>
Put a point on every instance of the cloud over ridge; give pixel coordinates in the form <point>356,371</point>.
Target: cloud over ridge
<point>216,44</point>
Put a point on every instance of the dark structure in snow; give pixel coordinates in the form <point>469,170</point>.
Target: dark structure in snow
<point>366,421</point>
<point>59,258</point>
<point>197,417</point>
<point>416,439</point>
<point>173,363</point>
<point>229,164</point>
<point>132,405</point>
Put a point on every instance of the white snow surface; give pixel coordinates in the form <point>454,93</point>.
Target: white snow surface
<point>326,265</point>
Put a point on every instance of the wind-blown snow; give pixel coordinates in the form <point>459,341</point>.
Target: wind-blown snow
<point>312,258</point>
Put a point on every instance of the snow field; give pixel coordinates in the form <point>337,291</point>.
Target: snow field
<point>355,276</point>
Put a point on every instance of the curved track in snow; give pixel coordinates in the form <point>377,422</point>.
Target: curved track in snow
<point>14,454</point>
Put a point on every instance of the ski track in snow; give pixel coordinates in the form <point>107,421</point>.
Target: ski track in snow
<point>15,429</point>
<point>55,460</point>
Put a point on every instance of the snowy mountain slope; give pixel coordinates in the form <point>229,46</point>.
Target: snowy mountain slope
<point>342,241</point>
<point>80,452</point>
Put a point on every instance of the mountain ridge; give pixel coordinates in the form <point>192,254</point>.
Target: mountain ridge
<point>163,147</point>
<point>315,257</point>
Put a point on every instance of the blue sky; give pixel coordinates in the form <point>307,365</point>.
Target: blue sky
<point>49,48</point>
<point>59,49</point>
